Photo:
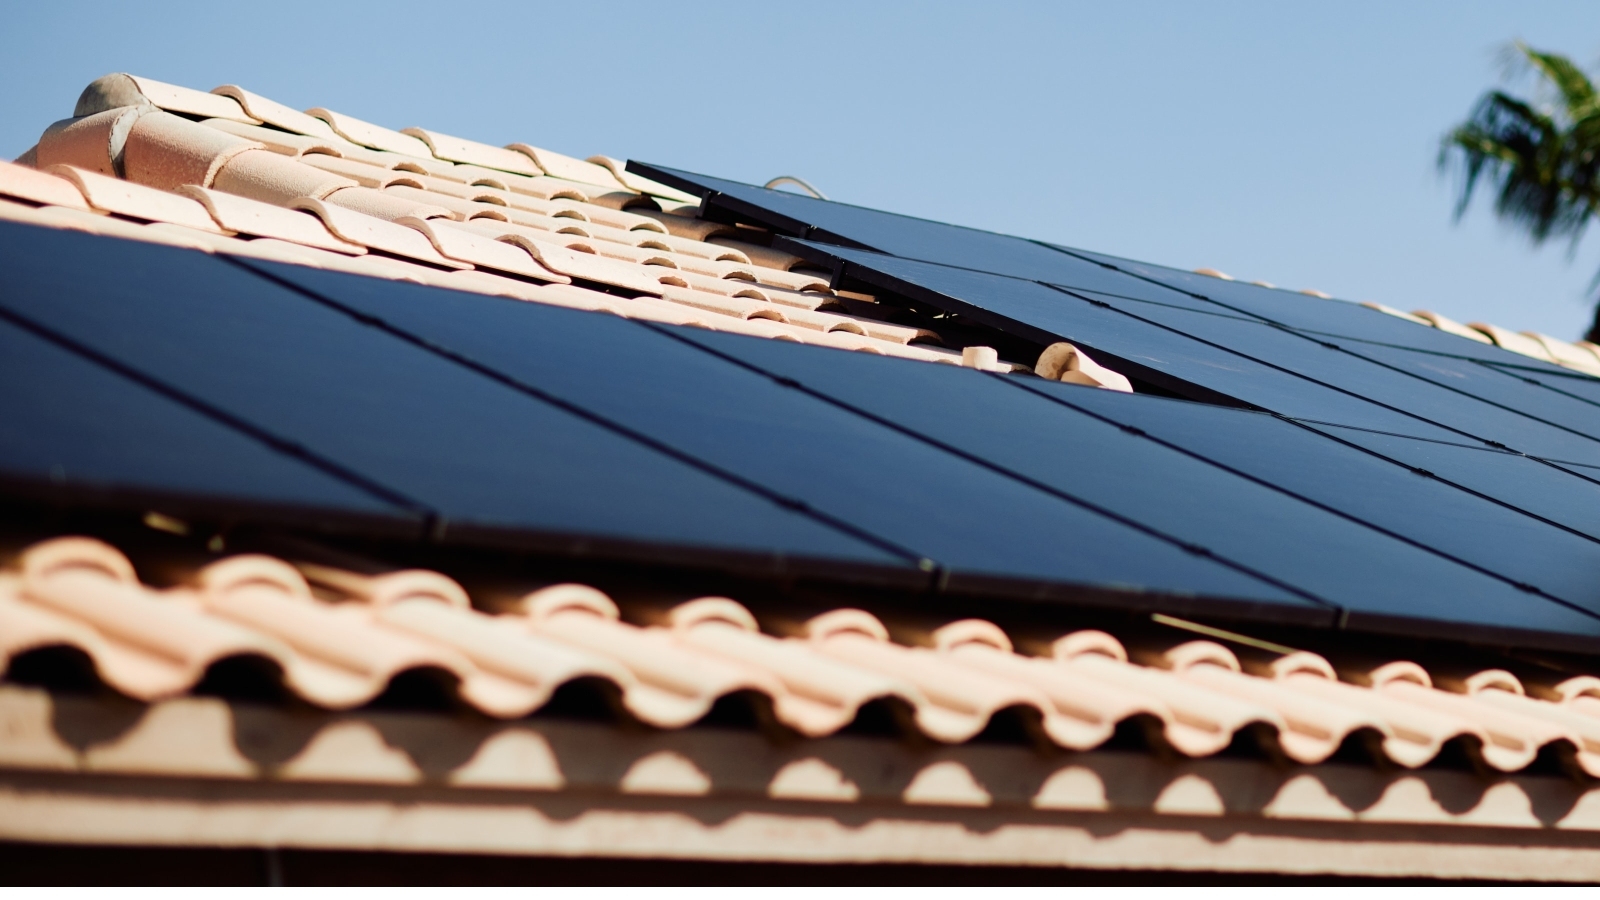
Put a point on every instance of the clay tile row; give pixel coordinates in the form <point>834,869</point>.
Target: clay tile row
<point>231,171</point>
<point>339,639</point>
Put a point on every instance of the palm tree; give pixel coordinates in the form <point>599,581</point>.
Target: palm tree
<point>1543,160</point>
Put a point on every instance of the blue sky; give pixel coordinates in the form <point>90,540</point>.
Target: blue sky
<point>1290,144</point>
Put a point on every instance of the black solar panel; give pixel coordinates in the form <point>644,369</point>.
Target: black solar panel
<point>1162,355</point>
<point>841,224</point>
<point>904,236</point>
<point>1417,507</point>
<point>987,530</point>
<point>1329,317</point>
<point>1540,489</point>
<point>1491,385</point>
<point>1567,382</point>
<point>1373,498</point>
<point>985,416</point>
<point>491,461</point>
<point>70,428</point>
<point>1396,378</point>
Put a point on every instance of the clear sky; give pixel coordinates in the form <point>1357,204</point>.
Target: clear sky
<point>1293,144</point>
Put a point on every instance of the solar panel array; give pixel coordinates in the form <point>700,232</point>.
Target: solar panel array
<point>1459,449</point>
<point>1345,468</point>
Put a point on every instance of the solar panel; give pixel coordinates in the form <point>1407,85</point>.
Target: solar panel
<point>1490,385</point>
<point>491,461</point>
<point>903,236</point>
<point>908,237</point>
<point>1139,347</point>
<point>989,531</point>
<point>987,418</point>
<point>1315,314</point>
<point>1419,508</point>
<point>1569,383</point>
<point>1539,489</point>
<point>73,429</point>
<point>1351,372</point>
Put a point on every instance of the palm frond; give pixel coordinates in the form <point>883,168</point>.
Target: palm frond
<point>1544,164</point>
<point>1576,90</point>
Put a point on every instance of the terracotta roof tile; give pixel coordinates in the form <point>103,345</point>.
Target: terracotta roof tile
<point>1573,356</point>
<point>462,244</point>
<point>170,97</point>
<point>1386,310</point>
<point>766,257</point>
<point>455,207</point>
<point>92,142</point>
<point>277,115</point>
<point>24,183</point>
<point>367,134</point>
<point>1064,362</point>
<point>461,150</point>
<point>245,216</point>
<point>166,151</point>
<point>684,226</point>
<point>634,182</point>
<point>272,178</point>
<point>673,685</point>
<point>570,168</point>
<point>280,141</point>
<point>460,190</point>
<point>555,256</point>
<point>342,643</point>
<point>1510,340</point>
<point>1451,326</point>
<point>434,168</point>
<point>361,173</point>
<point>1313,729</point>
<point>524,213</point>
<point>372,232</point>
<point>126,198</point>
<point>143,645</point>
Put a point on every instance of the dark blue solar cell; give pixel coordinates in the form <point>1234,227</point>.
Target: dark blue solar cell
<point>494,462</point>
<point>990,531</point>
<point>70,428</point>
<point>1080,455</point>
<point>1419,508</point>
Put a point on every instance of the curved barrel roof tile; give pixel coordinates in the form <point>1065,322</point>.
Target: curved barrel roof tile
<point>339,639</point>
<point>381,190</point>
